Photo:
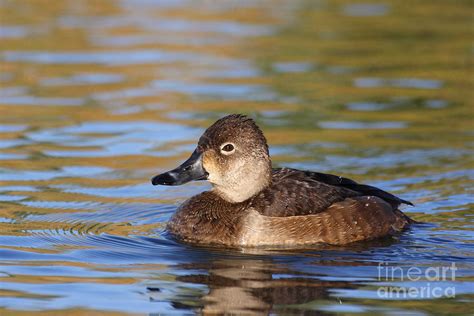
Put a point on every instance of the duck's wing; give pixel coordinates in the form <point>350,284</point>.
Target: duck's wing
<point>294,192</point>
<point>363,189</point>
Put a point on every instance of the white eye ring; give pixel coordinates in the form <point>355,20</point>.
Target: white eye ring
<point>227,149</point>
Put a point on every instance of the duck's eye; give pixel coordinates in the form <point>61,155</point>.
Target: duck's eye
<point>227,149</point>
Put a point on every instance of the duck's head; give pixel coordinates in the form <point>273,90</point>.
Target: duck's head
<point>232,154</point>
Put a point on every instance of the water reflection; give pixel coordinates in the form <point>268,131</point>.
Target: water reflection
<point>84,79</point>
<point>415,83</point>
<point>362,125</point>
<point>265,281</point>
<point>67,171</point>
<point>113,138</point>
<point>253,287</point>
<point>10,31</point>
<point>366,9</point>
<point>39,101</point>
<point>103,58</point>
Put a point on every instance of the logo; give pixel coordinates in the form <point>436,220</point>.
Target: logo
<point>419,282</point>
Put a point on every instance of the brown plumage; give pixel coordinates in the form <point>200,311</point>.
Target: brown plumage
<point>252,204</point>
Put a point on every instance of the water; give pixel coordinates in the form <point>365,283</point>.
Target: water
<point>98,96</point>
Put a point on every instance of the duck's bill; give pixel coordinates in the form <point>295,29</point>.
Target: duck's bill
<point>190,170</point>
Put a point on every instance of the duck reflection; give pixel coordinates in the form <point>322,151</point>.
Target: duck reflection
<point>256,282</point>
<point>254,286</point>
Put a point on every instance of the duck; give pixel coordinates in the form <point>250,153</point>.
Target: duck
<point>252,204</point>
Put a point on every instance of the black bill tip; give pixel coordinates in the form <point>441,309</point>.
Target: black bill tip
<point>167,178</point>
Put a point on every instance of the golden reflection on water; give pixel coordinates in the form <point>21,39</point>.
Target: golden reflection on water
<point>97,96</point>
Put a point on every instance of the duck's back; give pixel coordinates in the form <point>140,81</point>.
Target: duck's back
<point>295,192</point>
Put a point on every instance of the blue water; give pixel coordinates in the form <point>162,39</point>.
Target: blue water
<point>97,97</point>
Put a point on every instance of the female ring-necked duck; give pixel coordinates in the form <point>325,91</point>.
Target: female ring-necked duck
<point>252,204</point>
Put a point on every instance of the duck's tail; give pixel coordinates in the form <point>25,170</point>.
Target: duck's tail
<point>405,217</point>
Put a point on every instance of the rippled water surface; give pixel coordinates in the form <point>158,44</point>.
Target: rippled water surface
<point>98,96</point>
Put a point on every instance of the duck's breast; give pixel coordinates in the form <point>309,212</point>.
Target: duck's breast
<point>207,219</point>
